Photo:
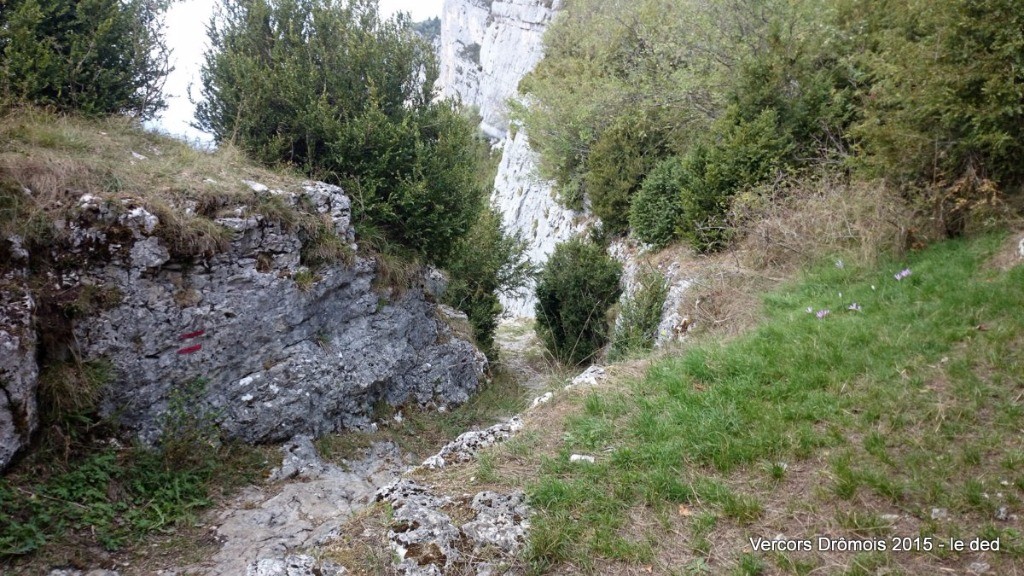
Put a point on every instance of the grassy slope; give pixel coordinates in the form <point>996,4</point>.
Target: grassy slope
<point>859,425</point>
<point>60,158</point>
<point>809,427</point>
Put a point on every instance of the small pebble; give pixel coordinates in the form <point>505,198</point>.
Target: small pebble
<point>978,568</point>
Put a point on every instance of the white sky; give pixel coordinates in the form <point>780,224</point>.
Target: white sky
<point>186,35</point>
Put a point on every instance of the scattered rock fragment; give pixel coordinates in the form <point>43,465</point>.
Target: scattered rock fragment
<point>501,520</point>
<point>427,540</point>
<point>297,565</point>
<point>543,399</point>
<point>978,568</point>
<point>590,377</point>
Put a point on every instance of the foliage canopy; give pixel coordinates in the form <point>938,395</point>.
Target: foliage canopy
<point>330,87</point>
<point>94,57</point>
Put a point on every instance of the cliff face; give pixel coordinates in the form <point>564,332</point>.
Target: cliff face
<point>487,46</point>
<point>486,49</point>
<point>264,346</point>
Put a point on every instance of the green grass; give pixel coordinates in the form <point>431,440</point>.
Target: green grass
<point>913,397</point>
<point>78,489</point>
<point>112,497</point>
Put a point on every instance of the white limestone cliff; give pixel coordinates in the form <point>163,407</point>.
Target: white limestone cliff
<point>486,49</point>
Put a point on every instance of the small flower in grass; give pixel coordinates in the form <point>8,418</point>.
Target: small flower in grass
<point>902,274</point>
<point>855,307</point>
<point>840,265</point>
<point>822,313</point>
<point>810,310</point>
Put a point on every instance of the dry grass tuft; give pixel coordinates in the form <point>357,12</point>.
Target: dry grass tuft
<point>48,162</point>
<point>790,225</point>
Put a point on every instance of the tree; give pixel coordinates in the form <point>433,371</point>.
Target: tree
<point>577,286</point>
<point>486,263</point>
<point>329,87</point>
<point>95,57</point>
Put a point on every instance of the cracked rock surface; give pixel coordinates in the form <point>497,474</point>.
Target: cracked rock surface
<point>18,370</point>
<point>428,541</point>
<point>465,447</point>
<point>261,530</point>
<point>281,349</point>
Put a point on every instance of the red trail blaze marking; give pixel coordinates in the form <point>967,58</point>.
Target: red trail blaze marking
<point>191,349</point>
<point>192,335</point>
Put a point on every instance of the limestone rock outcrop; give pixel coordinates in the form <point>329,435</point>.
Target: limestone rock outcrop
<point>487,46</point>
<point>18,370</point>
<point>247,337</point>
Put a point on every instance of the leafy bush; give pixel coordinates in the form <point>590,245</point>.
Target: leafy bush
<point>486,263</point>
<point>637,325</point>
<point>656,210</point>
<point>740,154</point>
<point>943,96</point>
<point>574,291</point>
<point>618,161</point>
<point>96,57</point>
<point>331,88</point>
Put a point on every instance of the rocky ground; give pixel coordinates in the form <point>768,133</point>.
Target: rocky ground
<point>299,521</point>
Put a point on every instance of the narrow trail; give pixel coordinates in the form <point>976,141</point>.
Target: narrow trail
<point>307,500</point>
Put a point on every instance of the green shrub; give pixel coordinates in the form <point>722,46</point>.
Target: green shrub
<point>740,154</point>
<point>618,161</point>
<point>575,289</point>
<point>486,263</point>
<point>656,210</point>
<point>96,57</point>
<point>345,96</point>
<point>637,326</point>
<point>942,96</point>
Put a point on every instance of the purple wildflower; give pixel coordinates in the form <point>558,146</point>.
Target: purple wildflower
<point>822,313</point>
<point>902,274</point>
<point>855,307</point>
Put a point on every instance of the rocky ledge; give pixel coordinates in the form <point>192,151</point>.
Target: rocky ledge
<point>247,337</point>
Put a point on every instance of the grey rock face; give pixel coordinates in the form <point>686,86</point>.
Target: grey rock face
<point>279,358</point>
<point>18,371</point>
<point>486,47</point>
<point>277,349</point>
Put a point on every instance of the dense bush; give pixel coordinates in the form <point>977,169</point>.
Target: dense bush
<point>740,154</point>
<point>574,291</point>
<point>485,264</point>
<point>942,95</point>
<point>656,210</point>
<point>331,88</point>
<point>618,161</point>
<point>95,57</point>
<point>637,326</point>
